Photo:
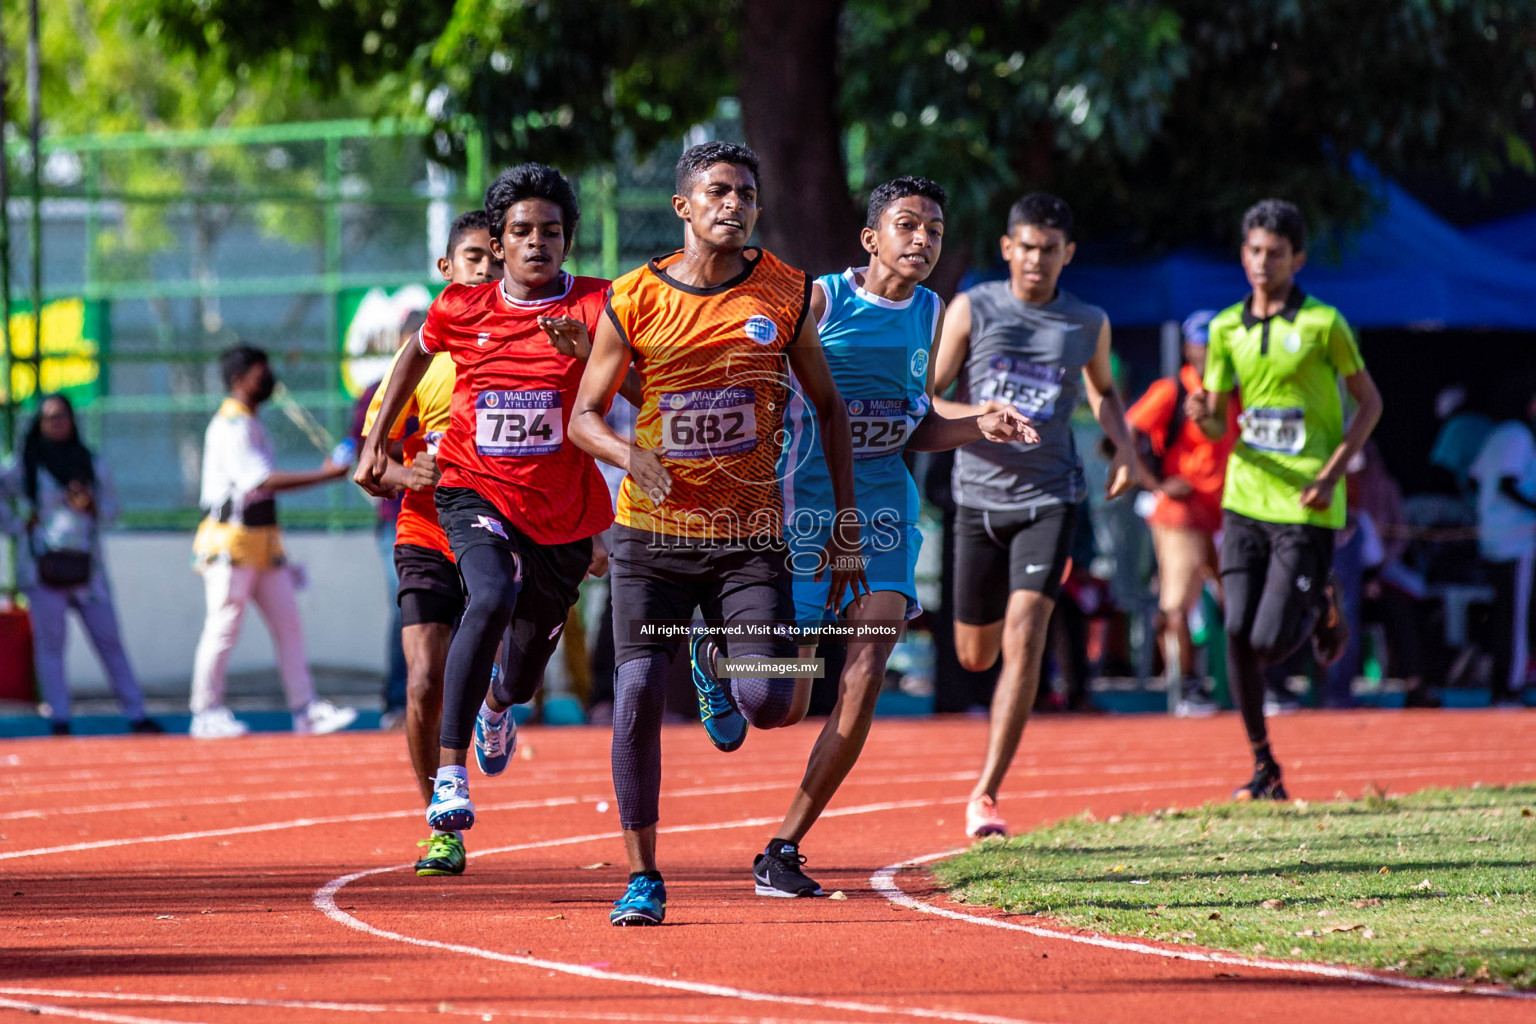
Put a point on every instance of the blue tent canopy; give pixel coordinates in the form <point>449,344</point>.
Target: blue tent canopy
<point>1513,236</point>
<point>1408,268</point>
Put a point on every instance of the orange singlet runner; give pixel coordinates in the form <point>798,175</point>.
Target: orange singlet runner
<point>715,375</point>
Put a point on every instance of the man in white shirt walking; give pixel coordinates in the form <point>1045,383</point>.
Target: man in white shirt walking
<point>1505,475</point>
<point>239,552</point>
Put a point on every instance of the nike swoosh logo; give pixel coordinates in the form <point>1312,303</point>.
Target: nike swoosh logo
<point>1031,569</point>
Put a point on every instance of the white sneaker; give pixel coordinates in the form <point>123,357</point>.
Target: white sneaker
<point>217,724</point>
<point>321,716</point>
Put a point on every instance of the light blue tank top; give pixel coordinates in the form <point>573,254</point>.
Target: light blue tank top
<point>878,352</point>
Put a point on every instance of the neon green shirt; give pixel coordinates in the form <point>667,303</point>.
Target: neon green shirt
<point>1288,368</point>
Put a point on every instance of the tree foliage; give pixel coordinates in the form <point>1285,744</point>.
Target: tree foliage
<point>1160,121</point>
<point>110,66</point>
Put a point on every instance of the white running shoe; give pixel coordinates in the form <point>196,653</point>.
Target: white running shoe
<point>321,716</point>
<point>451,809</point>
<point>217,724</point>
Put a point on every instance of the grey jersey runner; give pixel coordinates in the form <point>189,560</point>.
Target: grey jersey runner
<point>1032,356</point>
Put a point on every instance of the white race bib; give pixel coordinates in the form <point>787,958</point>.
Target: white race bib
<point>1032,388</point>
<point>518,423</point>
<point>1283,431</point>
<point>878,426</point>
<point>703,424</point>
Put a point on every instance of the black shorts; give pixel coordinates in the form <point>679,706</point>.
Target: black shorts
<point>430,591</point>
<point>551,573</point>
<point>662,579</point>
<point>997,553</point>
<point>1299,551</point>
<point>1273,575</point>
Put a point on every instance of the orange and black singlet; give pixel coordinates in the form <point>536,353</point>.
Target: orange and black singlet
<point>716,381</point>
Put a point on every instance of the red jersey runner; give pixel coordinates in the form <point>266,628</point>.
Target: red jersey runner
<point>512,401</point>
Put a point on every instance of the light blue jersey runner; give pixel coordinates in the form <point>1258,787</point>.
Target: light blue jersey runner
<point>877,350</point>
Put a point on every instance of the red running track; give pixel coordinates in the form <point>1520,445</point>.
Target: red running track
<point>266,879</point>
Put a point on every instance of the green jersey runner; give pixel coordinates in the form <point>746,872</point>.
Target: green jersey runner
<point>1284,497</point>
<point>1288,367</point>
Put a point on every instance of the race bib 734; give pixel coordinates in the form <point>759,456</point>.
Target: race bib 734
<point>517,423</point>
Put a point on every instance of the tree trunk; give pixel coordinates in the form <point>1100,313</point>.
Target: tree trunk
<point>789,93</point>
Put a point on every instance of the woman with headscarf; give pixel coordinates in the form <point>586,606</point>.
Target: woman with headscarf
<point>63,498</point>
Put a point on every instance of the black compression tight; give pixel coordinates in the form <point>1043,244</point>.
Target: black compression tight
<point>1267,620</point>
<point>639,698</point>
<point>490,575</point>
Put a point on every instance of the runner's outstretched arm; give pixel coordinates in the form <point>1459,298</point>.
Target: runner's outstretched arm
<point>287,481</point>
<point>1319,493</point>
<point>939,433</point>
<point>949,359</point>
<point>1104,400</point>
<point>373,460</point>
<point>569,337</point>
<point>809,364</point>
<point>600,381</point>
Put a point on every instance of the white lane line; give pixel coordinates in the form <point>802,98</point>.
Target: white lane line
<point>1046,794</point>
<point>566,1013</point>
<point>1029,767</point>
<point>277,826</point>
<point>271,826</point>
<point>884,882</point>
<point>325,902</point>
<point>403,789</point>
<point>46,1010</point>
<point>201,801</point>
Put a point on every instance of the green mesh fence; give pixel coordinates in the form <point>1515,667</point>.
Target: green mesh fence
<point>160,250</point>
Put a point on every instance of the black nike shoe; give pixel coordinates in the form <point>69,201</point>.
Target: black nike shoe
<point>777,872</point>
<point>1265,784</point>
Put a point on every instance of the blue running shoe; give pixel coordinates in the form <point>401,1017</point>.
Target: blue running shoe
<point>726,727</point>
<point>494,744</point>
<point>451,810</point>
<point>643,903</point>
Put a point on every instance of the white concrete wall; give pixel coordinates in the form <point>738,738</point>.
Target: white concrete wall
<point>160,605</point>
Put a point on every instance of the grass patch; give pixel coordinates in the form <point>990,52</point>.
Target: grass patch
<point>1438,884</point>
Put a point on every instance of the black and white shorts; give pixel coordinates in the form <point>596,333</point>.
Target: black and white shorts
<point>997,553</point>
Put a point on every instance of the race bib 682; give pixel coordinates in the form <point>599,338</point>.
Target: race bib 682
<point>709,422</point>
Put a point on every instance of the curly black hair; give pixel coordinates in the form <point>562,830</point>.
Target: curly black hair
<point>530,181</point>
<point>899,188</point>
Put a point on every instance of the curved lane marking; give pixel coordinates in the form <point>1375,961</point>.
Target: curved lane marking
<point>325,902</point>
<point>884,882</point>
<point>566,1013</point>
<point>48,1010</point>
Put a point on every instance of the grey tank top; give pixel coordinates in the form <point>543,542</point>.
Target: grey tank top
<point>1033,357</point>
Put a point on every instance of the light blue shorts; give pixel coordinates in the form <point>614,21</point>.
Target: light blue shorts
<point>890,564</point>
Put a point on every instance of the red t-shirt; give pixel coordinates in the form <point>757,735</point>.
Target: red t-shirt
<point>512,401</point>
<point>1190,455</point>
